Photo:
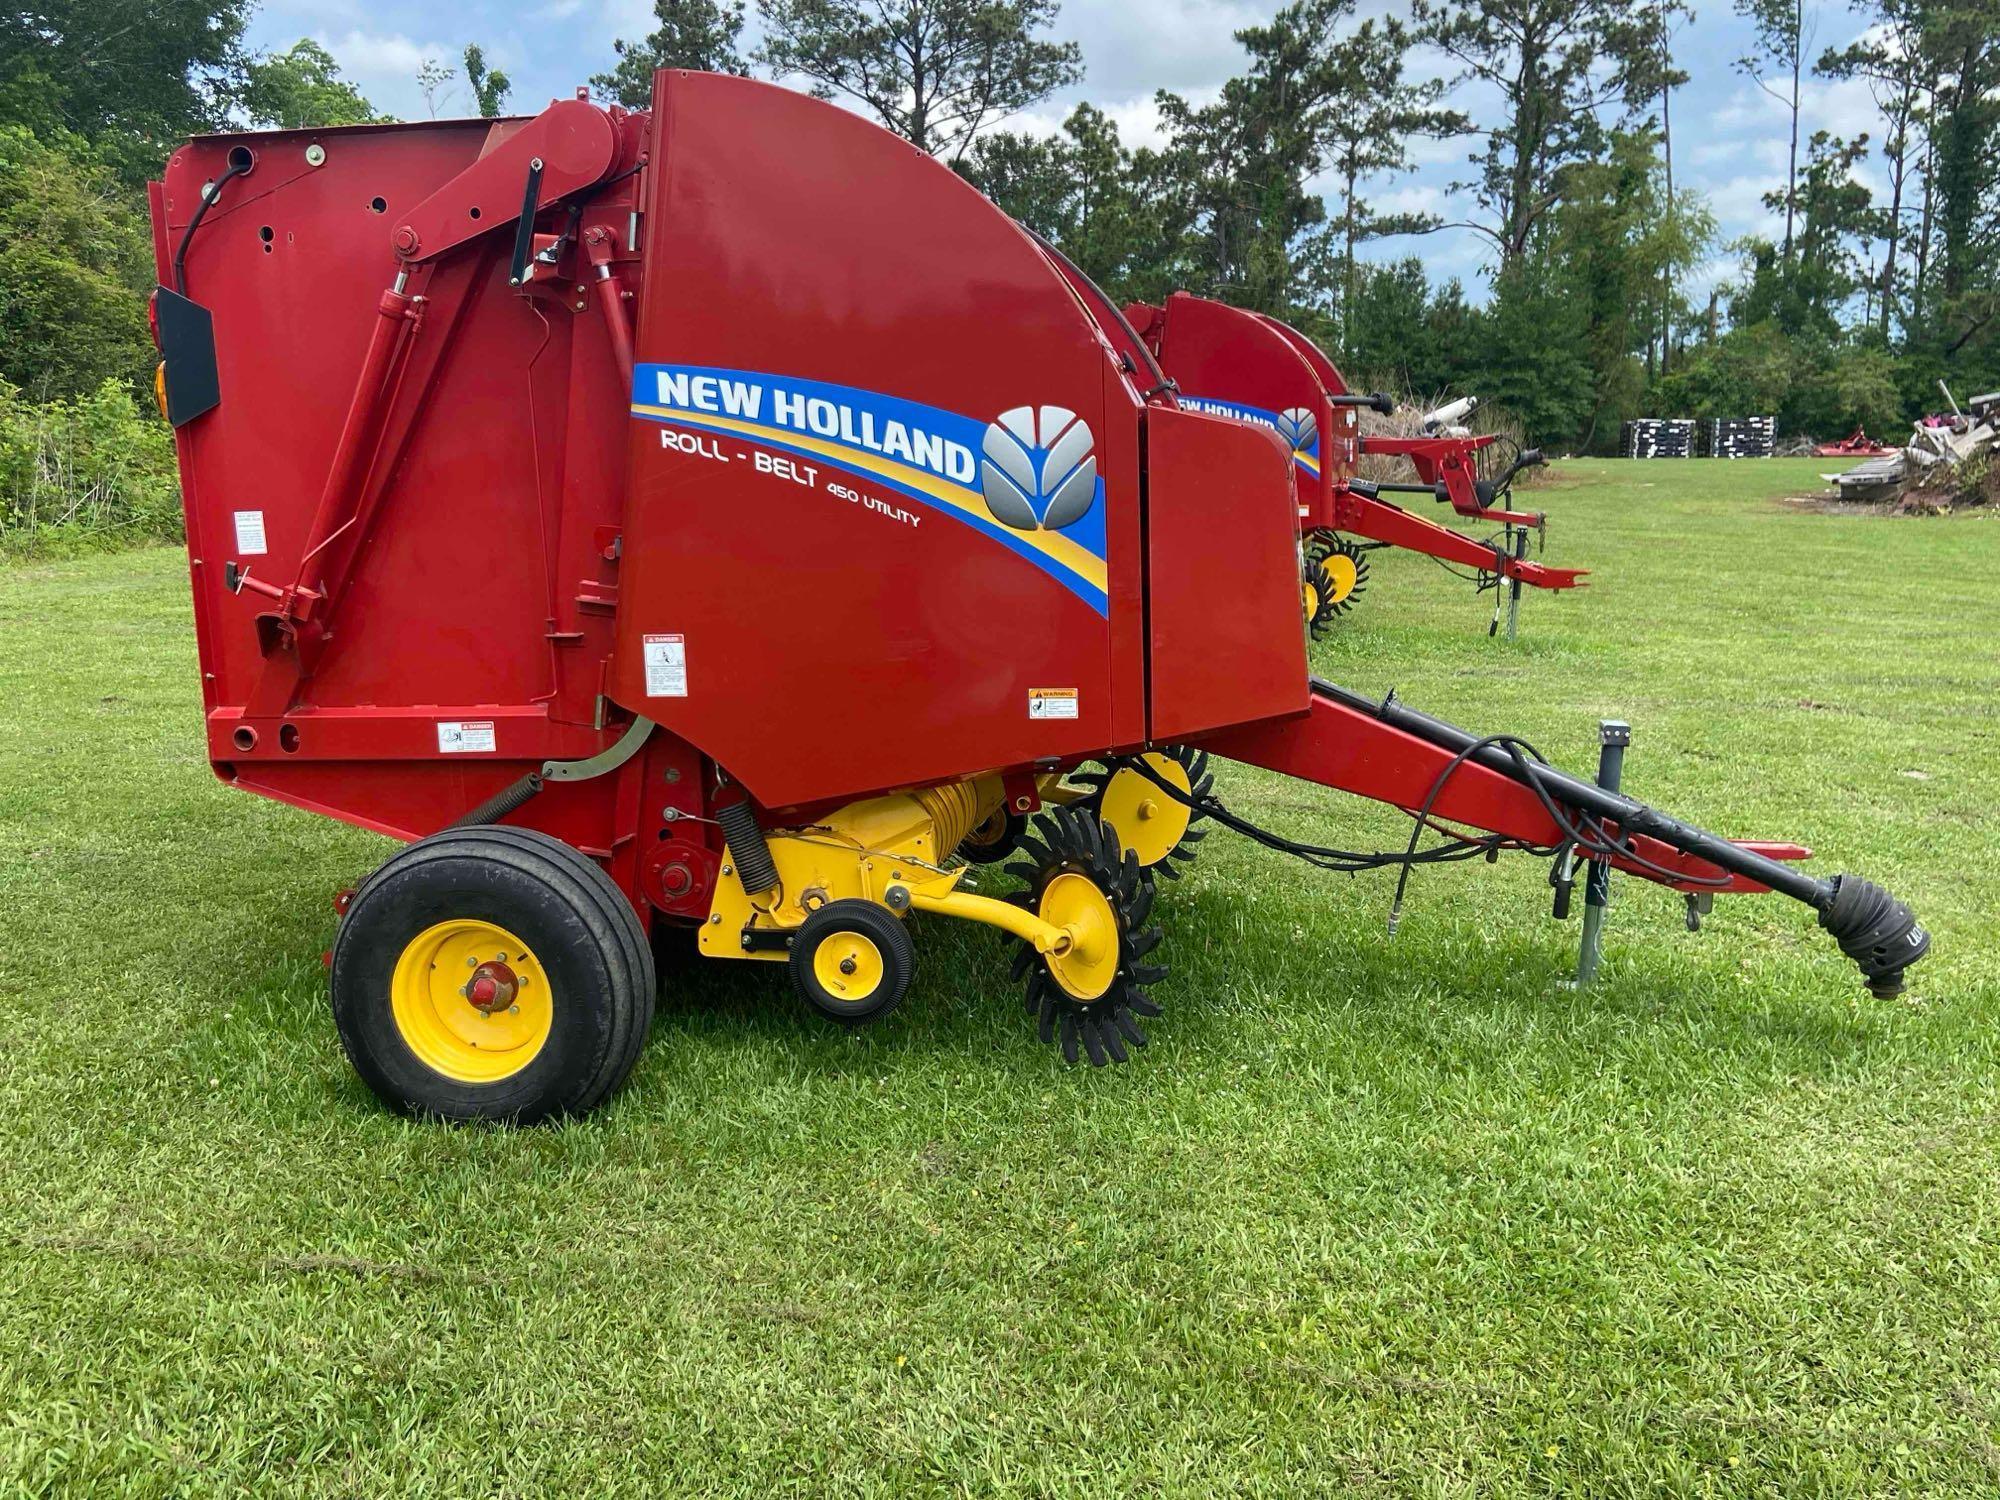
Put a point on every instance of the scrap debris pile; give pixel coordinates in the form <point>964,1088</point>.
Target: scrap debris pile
<point>1941,465</point>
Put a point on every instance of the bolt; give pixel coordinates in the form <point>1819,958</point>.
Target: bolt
<point>472,962</point>
<point>673,775</point>
<point>513,1010</point>
<point>848,966</point>
<point>729,869</point>
<point>715,919</point>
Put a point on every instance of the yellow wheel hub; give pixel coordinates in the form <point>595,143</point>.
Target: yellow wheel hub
<point>1146,819</point>
<point>1086,966</point>
<point>849,966</point>
<point>1311,601</point>
<point>471,1001</point>
<point>1341,573</point>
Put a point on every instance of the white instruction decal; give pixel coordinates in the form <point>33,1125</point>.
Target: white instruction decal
<point>1052,703</point>
<point>250,533</point>
<point>666,665</point>
<point>465,737</point>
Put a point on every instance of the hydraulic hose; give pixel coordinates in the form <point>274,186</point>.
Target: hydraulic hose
<point>1874,929</point>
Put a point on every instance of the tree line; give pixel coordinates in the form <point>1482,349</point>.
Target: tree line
<point>1264,195</point>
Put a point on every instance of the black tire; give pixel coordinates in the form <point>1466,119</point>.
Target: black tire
<point>867,923</point>
<point>582,930</point>
<point>995,839</point>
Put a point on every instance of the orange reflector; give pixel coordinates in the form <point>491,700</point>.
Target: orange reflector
<point>160,387</point>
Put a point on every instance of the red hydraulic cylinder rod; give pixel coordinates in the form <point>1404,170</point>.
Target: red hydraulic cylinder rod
<point>616,320</point>
<point>352,455</point>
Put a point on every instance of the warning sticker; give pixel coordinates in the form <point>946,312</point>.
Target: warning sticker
<point>465,737</point>
<point>1052,703</point>
<point>666,665</point>
<point>250,533</point>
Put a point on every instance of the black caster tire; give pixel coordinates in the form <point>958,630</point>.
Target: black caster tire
<point>851,961</point>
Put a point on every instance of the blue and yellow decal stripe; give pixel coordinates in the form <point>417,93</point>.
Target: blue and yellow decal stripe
<point>1073,557</point>
<point>1306,458</point>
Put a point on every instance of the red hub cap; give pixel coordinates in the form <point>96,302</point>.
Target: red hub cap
<point>492,987</point>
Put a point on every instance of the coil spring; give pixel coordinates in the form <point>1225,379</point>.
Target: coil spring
<point>754,865</point>
<point>958,807</point>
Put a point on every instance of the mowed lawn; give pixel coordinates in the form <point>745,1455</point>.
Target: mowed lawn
<point>1372,1215</point>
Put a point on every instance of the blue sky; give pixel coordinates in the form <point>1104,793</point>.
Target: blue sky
<point>1730,138</point>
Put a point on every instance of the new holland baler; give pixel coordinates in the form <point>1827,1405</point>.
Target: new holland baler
<point>1255,368</point>
<point>721,516</point>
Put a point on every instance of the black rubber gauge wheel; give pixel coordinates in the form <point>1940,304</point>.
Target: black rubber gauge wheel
<point>851,961</point>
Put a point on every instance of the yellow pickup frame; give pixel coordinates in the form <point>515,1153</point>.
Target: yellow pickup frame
<point>871,851</point>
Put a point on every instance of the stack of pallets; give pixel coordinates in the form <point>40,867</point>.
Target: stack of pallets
<point>1659,437</point>
<point>1739,437</point>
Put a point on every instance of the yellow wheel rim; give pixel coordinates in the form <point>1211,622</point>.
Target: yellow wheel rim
<point>849,966</point>
<point>1312,602</point>
<point>1147,821</point>
<point>1087,966</point>
<point>1341,573</point>
<point>471,1001</point>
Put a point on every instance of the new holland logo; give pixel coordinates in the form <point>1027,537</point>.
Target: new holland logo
<point>1039,470</point>
<point>1298,426</point>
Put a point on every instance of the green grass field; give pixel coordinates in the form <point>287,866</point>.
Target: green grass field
<point>1397,1216</point>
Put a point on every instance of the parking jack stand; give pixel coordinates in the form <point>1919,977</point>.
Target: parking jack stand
<point>1518,537</point>
<point>1613,736</point>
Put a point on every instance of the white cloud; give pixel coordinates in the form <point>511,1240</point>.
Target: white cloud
<point>384,68</point>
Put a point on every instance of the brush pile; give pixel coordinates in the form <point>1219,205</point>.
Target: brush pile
<point>1950,461</point>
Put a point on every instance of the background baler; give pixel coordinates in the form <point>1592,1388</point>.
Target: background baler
<point>1253,367</point>
<point>719,517</point>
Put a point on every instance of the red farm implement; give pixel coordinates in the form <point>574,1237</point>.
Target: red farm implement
<point>721,517</point>
<point>1246,365</point>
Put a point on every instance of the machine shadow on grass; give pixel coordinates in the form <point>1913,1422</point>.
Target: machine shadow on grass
<point>1353,980</point>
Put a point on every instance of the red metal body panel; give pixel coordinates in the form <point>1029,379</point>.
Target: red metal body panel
<point>484,503</point>
<point>1228,362</point>
<point>1255,368</point>
<point>873,607</point>
<point>873,491</point>
<point>1342,451</point>
<point>1218,509</point>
